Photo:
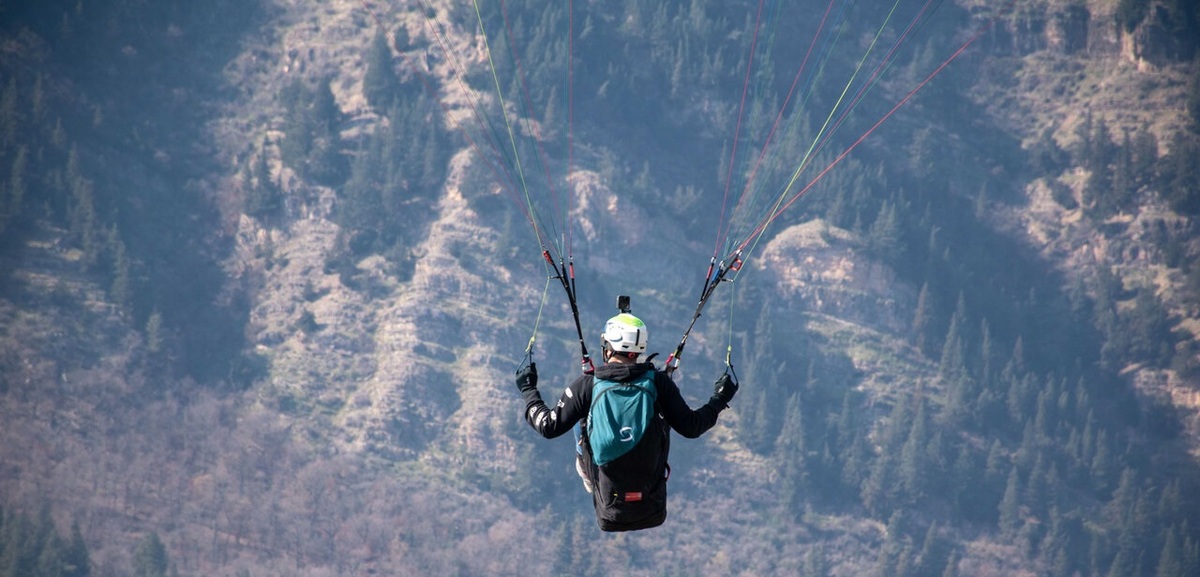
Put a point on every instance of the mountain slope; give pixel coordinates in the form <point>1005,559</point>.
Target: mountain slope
<point>969,350</point>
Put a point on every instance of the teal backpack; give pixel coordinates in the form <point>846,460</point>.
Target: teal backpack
<point>628,442</point>
<point>620,415</point>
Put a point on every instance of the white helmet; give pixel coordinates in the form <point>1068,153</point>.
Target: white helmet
<point>626,333</point>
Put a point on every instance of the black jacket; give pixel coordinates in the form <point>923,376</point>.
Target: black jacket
<point>574,403</point>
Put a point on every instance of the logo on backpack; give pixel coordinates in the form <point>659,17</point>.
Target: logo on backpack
<point>626,434</point>
<point>620,414</point>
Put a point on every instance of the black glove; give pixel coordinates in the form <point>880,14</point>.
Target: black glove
<point>527,378</point>
<point>724,389</point>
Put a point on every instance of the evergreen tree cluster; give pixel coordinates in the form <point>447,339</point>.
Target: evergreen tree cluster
<point>264,194</point>
<point>1033,449</point>
<point>395,171</point>
<point>150,558</point>
<point>33,547</point>
<point>386,178</point>
<point>1025,433</point>
<point>1124,174</point>
<point>382,85</point>
<point>1122,171</point>
<point>312,143</point>
<point>530,49</point>
<point>95,147</point>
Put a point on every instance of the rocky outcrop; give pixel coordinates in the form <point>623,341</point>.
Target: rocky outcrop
<point>1078,27</point>
<point>1068,29</point>
<point>1151,45</point>
<point>826,268</point>
<point>1065,29</point>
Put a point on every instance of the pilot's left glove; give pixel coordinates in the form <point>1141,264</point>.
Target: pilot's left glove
<point>527,378</point>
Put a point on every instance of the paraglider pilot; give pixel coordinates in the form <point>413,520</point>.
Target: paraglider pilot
<point>623,414</point>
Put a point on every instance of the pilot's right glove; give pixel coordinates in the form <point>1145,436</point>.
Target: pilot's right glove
<point>724,389</point>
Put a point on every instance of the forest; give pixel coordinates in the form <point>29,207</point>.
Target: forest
<point>176,403</point>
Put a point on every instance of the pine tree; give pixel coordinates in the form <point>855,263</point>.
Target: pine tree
<point>1083,133</point>
<point>78,561</point>
<point>120,291</point>
<point>1053,543</point>
<point>986,357</point>
<point>1019,400</point>
<point>1169,503</point>
<point>913,466</point>
<point>1099,162</point>
<point>967,484</point>
<point>1149,331</point>
<point>83,220</point>
<point>895,555</point>
<point>1045,417</point>
<point>846,424</point>
<point>953,364</point>
<point>1010,506</point>
<point>1123,564</point>
<point>1037,488</point>
<point>12,196</point>
<point>1170,560</point>
<point>1124,180</point>
<point>921,153</point>
<point>1193,94</point>
<point>37,99</point>
<point>937,465</point>
<point>154,333</point>
<point>10,117</point>
<point>312,143</point>
<point>297,124</point>
<point>360,205</point>
<point>1120,508</point>
<point>790,453</point>
<point>951,569</point>
<point>380,83</point>
<point>1102,463</point>
<point>52,558</point>
<point>762,428</point>
<point>815,564</point>
<point>883,239</point>
<point>432,166</point>
<point>1144,155</point>
<point>922,320</point>
<point>1102,154</point>
<point>1191,553</point>
<point>855,464</point>
<point>150,557</point>
<point>58,135</point>
<point>879,488</point>
<point>324,105</point>
<point>1182,173</point>
<point>550,115</point>
<point>953,374</point>
<point>264,196</point>
<point>1045,154</point>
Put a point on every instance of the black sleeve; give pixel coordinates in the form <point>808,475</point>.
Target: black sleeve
<point>679,415</point>
<point>571,408</point>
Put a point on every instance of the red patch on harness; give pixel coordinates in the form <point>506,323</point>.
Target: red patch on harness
<point>631,497</point>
